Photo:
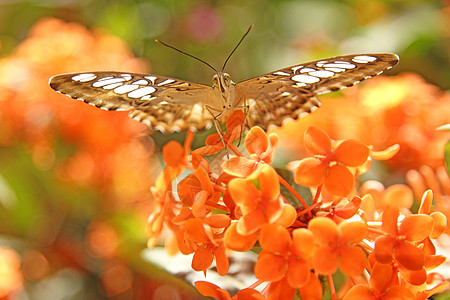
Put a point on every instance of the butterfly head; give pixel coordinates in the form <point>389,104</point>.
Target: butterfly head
<point>225,86</point>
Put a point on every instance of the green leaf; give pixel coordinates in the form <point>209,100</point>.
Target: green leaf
<point>303,191</point>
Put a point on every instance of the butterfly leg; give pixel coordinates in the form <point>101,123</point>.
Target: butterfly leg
<point>245,108</point>
<point>217,125</point>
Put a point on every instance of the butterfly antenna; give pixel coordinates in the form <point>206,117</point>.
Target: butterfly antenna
<point>172,47</point>
<point>242,38</point>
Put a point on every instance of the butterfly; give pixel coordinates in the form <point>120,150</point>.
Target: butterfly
<point>169,104</point>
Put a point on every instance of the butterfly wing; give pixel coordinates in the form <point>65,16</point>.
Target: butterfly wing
<point>291,92</point>
<point>163,103</point>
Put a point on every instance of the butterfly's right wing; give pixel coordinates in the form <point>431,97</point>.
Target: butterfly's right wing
<point>291,92</point>
<point>163,103</point>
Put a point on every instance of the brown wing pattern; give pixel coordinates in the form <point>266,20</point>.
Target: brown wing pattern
<point>163,103</point>
<point>291,92</point>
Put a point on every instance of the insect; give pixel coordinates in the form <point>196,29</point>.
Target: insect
<point>169,104</point>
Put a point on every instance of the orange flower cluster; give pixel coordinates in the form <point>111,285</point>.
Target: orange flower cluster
<point>384,249</point>
<point>382,112</point>
<point>33,115</point>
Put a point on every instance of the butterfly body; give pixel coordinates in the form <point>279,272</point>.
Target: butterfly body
<point>169,104</point>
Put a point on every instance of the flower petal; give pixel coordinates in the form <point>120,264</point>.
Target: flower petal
<point>303,242</point>
<point>173,153</point>
<point>209,289</point>
<point>426,202</point>
<point>399,292</point>
<point>275,238</point>
<point>381,276</point>
<point>269,155</point>
<point>416,227</point>
<point>256,141</point>
<point>202,259</point>
<point>352,261</point>
<point>251,222</point>
<point>399,195</point>
<point>339,180</point>
<point>352,232</point>
<point>288,216</point>
<point>440,224</point>
<point>238,242</point>
<point>299,272</point>
<point>270,267</point>
<point>389,220</point>
<point>313,289</point>
<point>417,277</point>
<point>384,246</point>
<point>244,192</point>
<point>317,141</point>
<point>269,183</point>
<point>222,263</point>
<point>280,290</point>
<point>310,172</point>
<point>249,294</point>
<point>198,231</point>
<point>325,260</point>
<point>385,154</point>
<point>359,292</point>
<point>325,231</point>
<point>351,153</point>
<point>240,166</point>
<point>409,256</point>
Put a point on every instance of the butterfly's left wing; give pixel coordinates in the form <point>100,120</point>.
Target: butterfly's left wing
<point>163,103</point>
<point>291,92</point>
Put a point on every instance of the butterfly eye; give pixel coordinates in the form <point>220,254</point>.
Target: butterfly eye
<point>215,80</point>
<point>227,78</point>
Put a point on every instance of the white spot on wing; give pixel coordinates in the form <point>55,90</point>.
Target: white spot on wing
<point>364,59</point>
<point>337,70</point>
<point>148,97</point>
<point>341,65</point>
<point>151,78</point>
<point>105,82</point>
<point>322,74</point>
<point>281,73</point>
<point>126,76</point>
<point>320,63</point>
<point>105,78</point>
<point>301,84</point>
<point>141,82</point>
<point>146,90</point>
<point>84,77</point>
<point>112,86</point>
<point>305,78</point>
<point>167,81</point>
<point>294,69</point>
<point>304,70</point>
<point>125,88</point>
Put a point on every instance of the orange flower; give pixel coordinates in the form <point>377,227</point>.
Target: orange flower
<point>380,286</point>
<point>259,203</point>
<point>261,148</point>
<point>285,256</point>
<point>338,246</point>
<point>211,290</point>
<point>214,144</point>
<point>398,243</point>
<point>330,163</point>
